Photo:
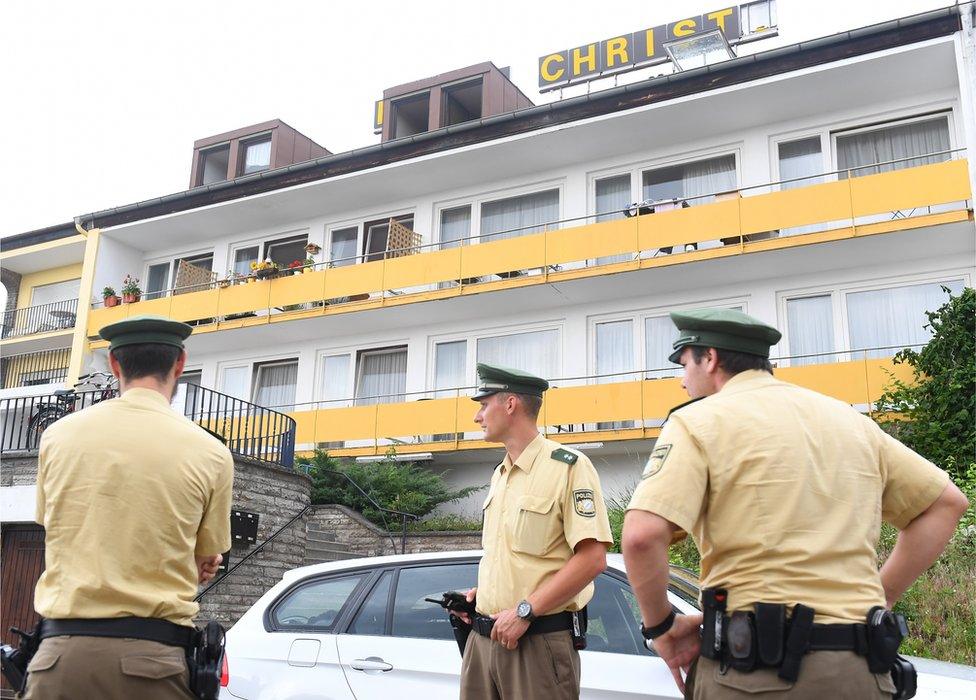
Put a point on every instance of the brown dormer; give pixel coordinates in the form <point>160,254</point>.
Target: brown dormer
<point>263,146</point>
<point>463,95</point>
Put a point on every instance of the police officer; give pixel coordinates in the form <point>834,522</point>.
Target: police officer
<point>135,503</point>
<point>546,534</point>
<point>784,491</point>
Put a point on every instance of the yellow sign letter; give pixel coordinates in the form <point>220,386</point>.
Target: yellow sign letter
<point>548,74</point>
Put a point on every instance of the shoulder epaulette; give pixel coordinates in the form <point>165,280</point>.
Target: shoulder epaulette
<point>682,405</point>
<point>564,456</point>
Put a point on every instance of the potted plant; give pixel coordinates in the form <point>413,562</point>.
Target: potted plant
<point>295,267</point>
<point>109,297</point>
<point>264,269</point>
<point>131,291</point>
<point>309,264</point>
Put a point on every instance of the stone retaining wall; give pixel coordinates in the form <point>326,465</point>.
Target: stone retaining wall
<point>19,471</point>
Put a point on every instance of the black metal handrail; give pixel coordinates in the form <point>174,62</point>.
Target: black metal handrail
<point>25,418</point>
<point>43,318</point>
<point>34,368</point>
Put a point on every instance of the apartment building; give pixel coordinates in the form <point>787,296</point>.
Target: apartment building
<point>824,187</point>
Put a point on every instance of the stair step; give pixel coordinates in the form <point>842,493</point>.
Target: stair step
<point>320,534</point>
<point>315,549</point>
<point>324,541</point>
<point>323,556</point>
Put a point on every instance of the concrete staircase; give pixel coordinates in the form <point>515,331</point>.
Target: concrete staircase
<point>321,546</point>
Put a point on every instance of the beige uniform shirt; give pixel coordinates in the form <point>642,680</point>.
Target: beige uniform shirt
<point>784,490</point>
<point>128,491</point>
<point>537,510</point>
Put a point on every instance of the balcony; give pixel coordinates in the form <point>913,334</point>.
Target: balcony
<point>55,317</point>
<point>34,368</point>
<point>585,409</point>
<point>742,222</point>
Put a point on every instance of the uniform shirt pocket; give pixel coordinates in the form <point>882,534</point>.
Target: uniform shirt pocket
<point>535,525</point>
<point>152,666</point>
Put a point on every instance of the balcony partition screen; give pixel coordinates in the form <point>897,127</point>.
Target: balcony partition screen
<point>894,317</point>
<point>810,324</point>
<point>382,376</point>
<point>612,197</point>
<point>889,143</point>
<point>536,352</point>
<point>518,216</point>
<point>274,385</point>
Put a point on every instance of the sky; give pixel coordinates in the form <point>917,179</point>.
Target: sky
<point>103,100</point>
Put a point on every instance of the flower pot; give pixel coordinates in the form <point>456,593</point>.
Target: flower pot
<point>296,272</point>
<point>265,274</point>
<point>111,301</point>
<point>130,298</point>
<point>250,280</point>
<point>307,270</point>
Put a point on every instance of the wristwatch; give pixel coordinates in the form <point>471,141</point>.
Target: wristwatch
<point>524,611</point>
<point>659,629</point>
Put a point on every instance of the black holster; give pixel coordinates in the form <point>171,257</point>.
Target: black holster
<point>205,661</point>
<point>462,631</point>
<point>580,623</point>
<point>13,662</point>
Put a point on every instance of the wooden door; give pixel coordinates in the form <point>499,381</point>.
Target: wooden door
<point>21,564</point>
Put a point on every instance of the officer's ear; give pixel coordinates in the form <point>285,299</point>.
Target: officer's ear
<point>179,365</point>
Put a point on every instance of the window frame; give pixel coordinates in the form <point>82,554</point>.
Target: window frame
<point>171,262</point>
<point>369,577</point>
<point>256,368</point>
<point>359,223</point>
<point>351,351</point>
<point>254,140</point>
<point>382,350</point>
<point>931,115</point>
<point>262,243</point>
<point>202,162</point>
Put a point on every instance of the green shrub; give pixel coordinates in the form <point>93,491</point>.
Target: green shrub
<point>401,486</point>
<point>446,523</point>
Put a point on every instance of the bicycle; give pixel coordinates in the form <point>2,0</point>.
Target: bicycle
<point>65,402</point>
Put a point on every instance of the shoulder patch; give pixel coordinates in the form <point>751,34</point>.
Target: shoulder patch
<point>564,456</point>
<point>584,502</point>
<point>656,461</point>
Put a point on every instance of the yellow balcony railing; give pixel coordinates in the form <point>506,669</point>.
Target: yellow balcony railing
<point>732,225</point>
<point>588,411</point>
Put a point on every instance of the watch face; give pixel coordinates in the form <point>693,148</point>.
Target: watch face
<point>524,609</point>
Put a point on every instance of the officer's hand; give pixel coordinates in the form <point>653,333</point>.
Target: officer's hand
<point>469,596</point>
<point>680,645</point>
<point>508,628</point>
<point>207,567</point>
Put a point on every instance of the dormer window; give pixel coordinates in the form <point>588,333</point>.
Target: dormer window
<point>411,115</point>
<point>213,164</point>
<point>256,155</point>
<point>461,103</point>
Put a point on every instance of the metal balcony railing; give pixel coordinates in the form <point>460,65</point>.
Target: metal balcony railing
<point>43,318</point>
<point>34,368</point>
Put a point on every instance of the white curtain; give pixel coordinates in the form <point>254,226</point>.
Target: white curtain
<point>59,291</point>
<point>659,336</point>
<point>234,382</point>
<point>703,177</point>
<point>243,257</point>
<point>455,226</point>
<point>258,157</point>
<point>612,197</point>
<point>801,159</point>
<point>894,317</point>
<point>158,281</point>
<point>810,323</point>
<point>527,213</point>
<point>449,368</point>
<point>342,250</point>
<point>614,353</point>
<point>335,381</point>
<point>275,386</point>
<point>382,377</point>
<point>535,352</point>
<point>892,143</point>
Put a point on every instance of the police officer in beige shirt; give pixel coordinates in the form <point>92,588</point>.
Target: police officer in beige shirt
<point>546,534</point>
<point>783,490</point>
<point>135,503</point>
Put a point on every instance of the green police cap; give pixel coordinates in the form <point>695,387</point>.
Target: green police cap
<point>725,329</point>
<point>145,329</point>
<point>492,379</point>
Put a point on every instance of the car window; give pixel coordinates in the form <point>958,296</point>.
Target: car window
<point>613,619</point>
<point>412,615</point>
<point>316,604</point>
<point>371,618</point>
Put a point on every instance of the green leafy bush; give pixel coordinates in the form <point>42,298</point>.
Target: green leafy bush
<point>446,523</point>
<point>401,486</point>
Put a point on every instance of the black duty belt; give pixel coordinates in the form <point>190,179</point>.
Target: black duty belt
<point>150,629</point>
<point>547,623</point>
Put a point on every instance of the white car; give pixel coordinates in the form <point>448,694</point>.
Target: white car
<point>360,630</point>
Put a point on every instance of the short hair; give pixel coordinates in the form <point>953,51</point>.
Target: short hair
<point>147,360</point>
<point>734,362</point>
<point>532,404</point>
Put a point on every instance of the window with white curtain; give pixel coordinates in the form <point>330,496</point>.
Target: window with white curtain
<point>334,390</point>
<point>54,292</point>
<point>535,352</point>
<point>882,318</point>
<point>455,226</point>
<point>519,216</point>
<point>802,158</point>
<point>659,336</point>
<point>612,197</point>
<point>157,281</point>
<point>449,368</point>
<point>257,156</point>
<point>243,257</point>
<point>700,177</point>
<point>810,325</point>
<point>381,376</point>
<point>342,248</point>
<point>234,382</point>
<point>275,384</point>
<point>860,151</point>
<point>614,354</point>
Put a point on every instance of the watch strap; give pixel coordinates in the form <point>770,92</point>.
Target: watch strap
<point>658,629</point>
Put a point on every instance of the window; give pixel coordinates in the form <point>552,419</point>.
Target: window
<point>612,198</point>
<point>614,354</point>
<point>55,292</point>
<point>243,257</point>
<point>315,605</point>
<point>449,368</point>
<point>377,232</point>
<point>381,376</point>
<point>415,617</point>
<point>157,281</point>
<point>757,16</point>
<point>187,399</point>
<point>800,159</point>
<point>455,226</point>
<point>257,155</point>
<point>335,381</point>
<point>659,336</point>
<point>234,382</point>
<point>859,151</point>
<point>894,318</point>
<point>614,619</point>
<point>690,180</point>
<point>286,250</point>
<point>342,249</point>
<point>371,618</point>
<point>275,383</point>
<point>810,323</point>
<point>461,103</point>
<point>213,165</point>
<point>161,277</point>
<point>411,115</point>
<point>519,216</point>
<point>535,352</point>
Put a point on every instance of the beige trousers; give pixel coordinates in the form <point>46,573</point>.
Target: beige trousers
<point>542,666</point>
